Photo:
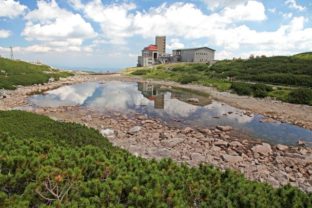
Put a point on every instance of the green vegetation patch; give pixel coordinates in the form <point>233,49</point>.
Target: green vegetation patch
<point>306,56</point>
<point>256,90</point>
<point>287,72</point>
<point>301,96</point>
<point>46,163</point>
<point>14,73</point>
<point>283,70</point>
<point>184,74</point>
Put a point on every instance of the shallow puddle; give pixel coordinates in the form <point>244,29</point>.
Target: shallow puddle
<point>173,105</point>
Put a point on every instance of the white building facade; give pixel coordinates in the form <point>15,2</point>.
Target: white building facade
<point>195,55</point>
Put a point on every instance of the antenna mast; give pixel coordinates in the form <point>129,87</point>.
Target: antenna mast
<point>12,55</point>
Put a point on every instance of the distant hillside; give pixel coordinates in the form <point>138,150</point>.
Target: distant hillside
<point>13,73</point>
<point>281,70</point>
<point>306,56</point>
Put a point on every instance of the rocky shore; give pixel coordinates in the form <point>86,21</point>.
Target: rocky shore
<point>277,165</point>
<point>220,146</point>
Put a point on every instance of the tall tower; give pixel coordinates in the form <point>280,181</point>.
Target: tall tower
<point>12,55</point>
<point>161,44</point>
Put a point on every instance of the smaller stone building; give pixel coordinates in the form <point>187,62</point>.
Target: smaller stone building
<point>195,55</point>
<point>149,56</point>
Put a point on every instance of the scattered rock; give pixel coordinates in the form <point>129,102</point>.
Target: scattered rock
<point>224,128</point>
<point>141,117</point>
<point>172,142</point>
<point>193,100</point>
<point>215,148</point>
<point>197,157</point>
<point>282,147</point>
<point>205,131</point>
<point>148,122</point>
<point>109,133</point>
<point>220,142</point>
<point>301,143</point>
<point>159,152</point>
<point>187,130</point>
<point>268,120</point>
<point>303,151</point>
<point>134,129</point>
<point>87,118</point>
<point>232,159</point>
<point>235,144</point>
<point>224,136</point>
<point>262,149</point>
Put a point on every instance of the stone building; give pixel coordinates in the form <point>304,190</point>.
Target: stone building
<point>156,54</point>
<point>152,53</point>
<point>149,56</point>
<point>196,55</point>
<point>161,45</point>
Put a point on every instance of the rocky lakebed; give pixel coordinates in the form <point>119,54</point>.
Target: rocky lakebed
<point>190,127</point>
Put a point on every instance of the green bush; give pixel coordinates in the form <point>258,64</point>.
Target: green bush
<point>186,79</point>
<point>256,90</point>
<point>39,155</point>
<point>242,88</point>
<point>141,72</point>
<point>200,67</point>
<point>261,90</point>
<point>283,70</point>
<point>301,96</point>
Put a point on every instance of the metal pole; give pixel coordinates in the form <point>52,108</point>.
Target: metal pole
<point>12,56</point>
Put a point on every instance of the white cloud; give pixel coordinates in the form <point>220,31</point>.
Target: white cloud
<point>287,15</point>
<point>4,33</point>
<point>272,10</point>
<point>251,11</point>
<point>172,21</point>
<point>287,39</point>
<point>294,5</point>
<point>56,27</point>
<point>11,8</point>
<point>175,43</point>
<point>114,19</point>
<point>215,4</point>
<point>118,22</point>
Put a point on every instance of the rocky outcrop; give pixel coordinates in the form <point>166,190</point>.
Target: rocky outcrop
<point>262,149</point>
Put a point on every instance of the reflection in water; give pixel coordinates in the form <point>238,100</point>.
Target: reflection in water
<point>169,105</point>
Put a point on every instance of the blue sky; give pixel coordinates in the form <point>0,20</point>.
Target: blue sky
<point>109,35</point>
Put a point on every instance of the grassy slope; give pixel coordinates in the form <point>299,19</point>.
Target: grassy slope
<point>306,56</point>
<point>35,150</point>
<point>13,73</point>
<point>282,72</point>
<point>279,70</point>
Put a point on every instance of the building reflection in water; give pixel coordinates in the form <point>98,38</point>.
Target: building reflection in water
<point>152,93</point>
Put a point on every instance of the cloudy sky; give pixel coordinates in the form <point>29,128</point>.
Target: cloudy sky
<point>103,34</point>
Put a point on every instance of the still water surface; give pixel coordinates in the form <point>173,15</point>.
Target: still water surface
<point>171,105</point>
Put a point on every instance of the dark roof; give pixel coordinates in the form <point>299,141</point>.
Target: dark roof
<point>185,49</point>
